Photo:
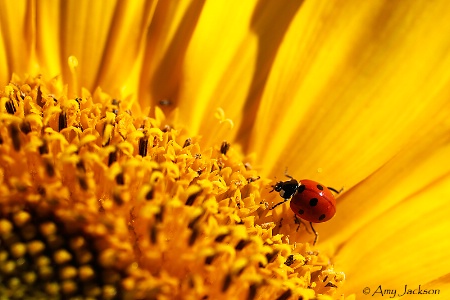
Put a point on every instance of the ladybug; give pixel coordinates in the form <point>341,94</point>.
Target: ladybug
<point>310,200</point>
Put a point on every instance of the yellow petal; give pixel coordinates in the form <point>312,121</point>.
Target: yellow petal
<point>18,37</point>
<point>122,58</point>
<point>4,69</point>
<point>48,34</point>
<point>168,36</point>
<point>390,229</point>
<point>219,70</point>
<point>352,84</point>
<point>84,32</point>
<point>397,247</point>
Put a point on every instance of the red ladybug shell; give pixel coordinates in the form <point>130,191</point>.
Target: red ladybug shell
<point>313,202</point>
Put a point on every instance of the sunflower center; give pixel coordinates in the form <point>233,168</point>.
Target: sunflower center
<point>97,201</point>
<point>42,258</point>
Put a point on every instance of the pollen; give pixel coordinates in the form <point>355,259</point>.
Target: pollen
<point>99,201</point>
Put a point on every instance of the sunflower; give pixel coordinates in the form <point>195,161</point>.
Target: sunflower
<point>140,143</point>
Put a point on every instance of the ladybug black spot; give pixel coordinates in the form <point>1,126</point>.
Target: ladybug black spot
<point>313,201</point>
<point>322,216</point>
<point>320,187</point>
<point>301,211</point>
<point>301,188</point>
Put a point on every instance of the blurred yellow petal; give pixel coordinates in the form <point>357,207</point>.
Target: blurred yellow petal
<point>125,41</point>
<point>168,37</point>
<point>352,80</point>
<point>414,170</point>
<point>397,218</point>
<point>235,71</point>
<point>48,34</point>
<point>228,71</point>
<point>85,27</point>
<point>398,247</point>
<point>4,69</point>
<point>18,34</point>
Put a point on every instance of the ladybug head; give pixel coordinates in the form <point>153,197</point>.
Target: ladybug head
<point>277,187</point>
<point>286,189</point>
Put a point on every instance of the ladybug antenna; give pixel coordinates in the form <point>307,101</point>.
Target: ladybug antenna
<point>287,175</point>
<point>273,186</point>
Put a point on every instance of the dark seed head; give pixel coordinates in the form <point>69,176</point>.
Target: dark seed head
<point>224,148</point>
<point>143,144</point>
<point>62,122</point>
<point>187,142</point>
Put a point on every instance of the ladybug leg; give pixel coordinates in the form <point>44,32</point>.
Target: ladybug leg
<point>315,233</point>
<point>299,221</point>
<point>279,203</point>
<point>334,190</point>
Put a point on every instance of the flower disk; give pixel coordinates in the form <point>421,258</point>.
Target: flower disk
<point>96,202</point>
